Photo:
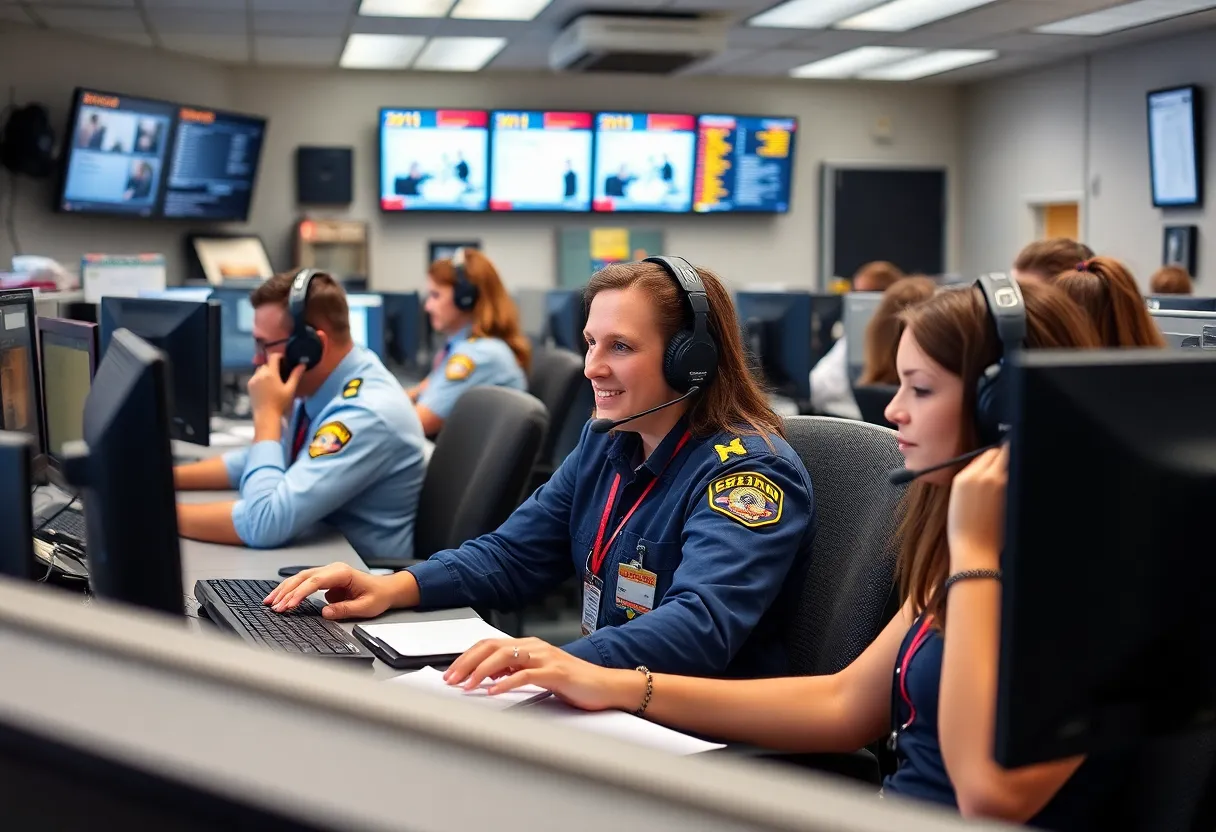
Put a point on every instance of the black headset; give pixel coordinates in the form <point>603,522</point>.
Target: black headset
<point>691,359</point>
<point>1008,313</point>
<point>464,293</point>
<point>304,346</point>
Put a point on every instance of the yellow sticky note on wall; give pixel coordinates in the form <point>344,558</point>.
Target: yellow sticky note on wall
<point>610,244</point>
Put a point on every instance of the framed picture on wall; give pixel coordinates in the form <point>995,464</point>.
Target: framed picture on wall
<point>1178,246</point>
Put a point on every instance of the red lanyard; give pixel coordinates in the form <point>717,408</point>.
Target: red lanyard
<point>922,635</point>
<point>597,553</point>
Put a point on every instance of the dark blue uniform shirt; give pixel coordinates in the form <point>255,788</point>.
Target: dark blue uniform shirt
<point>727,530</point>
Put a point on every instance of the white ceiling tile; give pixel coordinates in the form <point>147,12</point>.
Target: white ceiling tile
<point>776,62</point>
<point>176,21</point>
<point>761,37</point>
<point>310,6</point>
<point>289,23</point>
<point>291,51</point>
<point>395,25</point>
<point>1029,42</point>
<point>521,55</point>
<point>92,20</point>
<point>837,40</point>
<point>233,48</point>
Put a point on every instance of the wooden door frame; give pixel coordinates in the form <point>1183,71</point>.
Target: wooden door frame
<point>1030,226</point>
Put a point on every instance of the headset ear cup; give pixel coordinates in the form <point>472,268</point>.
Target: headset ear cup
<point>303,349</point>
<point>674,370</point>
<point>988,403</point>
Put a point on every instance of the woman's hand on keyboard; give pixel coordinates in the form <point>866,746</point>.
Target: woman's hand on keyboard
<point>350,593</point>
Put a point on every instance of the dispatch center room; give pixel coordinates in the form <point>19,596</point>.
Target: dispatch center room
<point>435,415</point>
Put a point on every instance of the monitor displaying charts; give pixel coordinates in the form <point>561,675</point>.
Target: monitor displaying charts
<point>744,163</point>
<point>644,162</point>
<point>541,161</point>
<point>434,160</point>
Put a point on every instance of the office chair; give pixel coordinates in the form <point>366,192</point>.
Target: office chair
<point>1172,788</point>
<point>872,401</point>
<point>557,380</point>
<point>482,461</point>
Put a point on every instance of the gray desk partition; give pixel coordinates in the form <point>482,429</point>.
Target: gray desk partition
<point>859,307</point>
<point>1183,329</point>
<point>203,716</point>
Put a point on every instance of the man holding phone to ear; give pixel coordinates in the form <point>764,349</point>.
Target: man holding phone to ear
<point>336,440</point>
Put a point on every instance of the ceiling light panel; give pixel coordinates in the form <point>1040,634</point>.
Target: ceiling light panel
<point>459,54</point>
<point>904,15</point>
<point>499,9</point>
<point>380,51</point>
<point>405,8</point>
<point>855,61</point>
<point>1125,17</point>
<point>810,14</point>
<point>933,63</point>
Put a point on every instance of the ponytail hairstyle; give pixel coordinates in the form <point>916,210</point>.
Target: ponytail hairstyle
<point>1107,292</point>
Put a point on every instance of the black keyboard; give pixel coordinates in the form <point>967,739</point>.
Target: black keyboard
<point>69,522</point>
<point>237,605</point>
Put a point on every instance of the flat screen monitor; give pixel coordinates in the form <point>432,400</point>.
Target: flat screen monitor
<point>1175,146</point>
<point>114,156</point>
<point>541,161</point>
<point>367,321</point>
<point>744,163</point>
<point>69,360</point>
<point>20,396</point>
<point>567,316</point>
<point>777,330</point>
<point>213,165</point>
<point>644,162</point>
<point>434,160</point>
<point>402,325</point>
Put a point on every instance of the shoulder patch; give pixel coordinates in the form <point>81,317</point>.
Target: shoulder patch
<point>352,388</point>
<point>735,446</point>
<point>459,367</point>
<point>330,438</point>
<point>750,498</point>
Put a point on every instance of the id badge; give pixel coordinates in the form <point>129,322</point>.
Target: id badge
<point>593,587</point>
<point>635,589</point>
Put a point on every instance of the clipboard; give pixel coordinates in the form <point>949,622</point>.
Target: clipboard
<point>460,636</point>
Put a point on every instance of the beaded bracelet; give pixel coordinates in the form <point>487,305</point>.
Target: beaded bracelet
<point>649,690</point>
<point>972,574</point>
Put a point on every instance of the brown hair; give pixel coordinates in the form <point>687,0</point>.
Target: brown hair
<point>1106,290</point>
<point>1048,258</point>
<point>955,330</point>
<point>495,314</point>
<point>734,401</point>
<point>880,274</point>
<point>325,310</point>
<point>882,333</point>
<point>1170,280</point>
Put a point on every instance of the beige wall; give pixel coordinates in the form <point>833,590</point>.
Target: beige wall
<point>329,107</point>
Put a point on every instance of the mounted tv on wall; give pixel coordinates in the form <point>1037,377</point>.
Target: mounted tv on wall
<point>1175,142</point>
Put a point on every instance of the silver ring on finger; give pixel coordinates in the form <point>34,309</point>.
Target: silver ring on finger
<point>516,652</point>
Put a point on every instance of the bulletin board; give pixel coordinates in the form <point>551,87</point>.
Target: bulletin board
<point>581,252</point>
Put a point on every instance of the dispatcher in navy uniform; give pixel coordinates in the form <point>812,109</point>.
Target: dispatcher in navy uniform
<point>336,442</point>
<point>690,526</point>
<point>467,302</point>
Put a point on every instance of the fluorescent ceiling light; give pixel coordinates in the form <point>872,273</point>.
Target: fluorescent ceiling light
<point>405,8</point>
<point>499,9</point>
<point>810,14</point>
<point>855,61</point>
<point>459,54</point>
<point>902,15</point>
<point>1125,17</point>
<point>933,63</point>
<point>380,51</point>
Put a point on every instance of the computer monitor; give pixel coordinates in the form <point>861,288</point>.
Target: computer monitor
<point>367,321</point>
<point>16,509</point>
<point>125,472</point>
<point>567,316</point>
<point>402,326</point>
<point>1180,302</point>
<point>69,361</point>
<point>237,351</point>
<point>20,382</point>
<point>180,328</point>
<point>1106,623</point>
<point>533,313</point>
<point>779,329</point>
<point>859,308</point>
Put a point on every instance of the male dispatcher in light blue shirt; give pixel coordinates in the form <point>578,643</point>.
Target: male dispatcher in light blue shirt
<point>339,443</point>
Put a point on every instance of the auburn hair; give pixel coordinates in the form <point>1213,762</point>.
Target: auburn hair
<point>882,333</point>
<point>1048,258</point>
<point>1171,280</point>
<point>325,308</point>
<point>1106,290</point>
<point>734,401</point>
<point>495,314</point>
<point>955,330</point>
<point>880,273</point>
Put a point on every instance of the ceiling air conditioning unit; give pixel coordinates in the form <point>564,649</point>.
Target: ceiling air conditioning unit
<point>653,45</point>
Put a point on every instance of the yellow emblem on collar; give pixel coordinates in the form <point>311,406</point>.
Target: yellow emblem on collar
<point>352,388</point>
<point>750,498</point>
<point>459,367</point>
<point>330,438</point>
<point>735,446</point>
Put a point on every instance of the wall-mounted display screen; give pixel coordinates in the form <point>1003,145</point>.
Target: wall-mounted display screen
<point>434,160</point>
<point>213,165</point>
<point>744,163</point>
<point>1174,119</point>
<point>541,161</point>
<point>644,162</point>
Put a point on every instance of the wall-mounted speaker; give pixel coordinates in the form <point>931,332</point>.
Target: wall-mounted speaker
<point>323,175</point>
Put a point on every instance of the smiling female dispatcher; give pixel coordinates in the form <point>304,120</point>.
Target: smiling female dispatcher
<point>690,526</point>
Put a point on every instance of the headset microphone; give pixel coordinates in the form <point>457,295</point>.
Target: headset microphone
<point>605,425</point>
<point>900,476</point>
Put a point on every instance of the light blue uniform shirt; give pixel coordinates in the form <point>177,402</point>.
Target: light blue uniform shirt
<point>359,469</point>
<point>470,362</point>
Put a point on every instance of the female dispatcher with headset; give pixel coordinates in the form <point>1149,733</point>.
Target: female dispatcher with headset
<point>684,511</point>
<point>467,302</point>
<point>928,682</point>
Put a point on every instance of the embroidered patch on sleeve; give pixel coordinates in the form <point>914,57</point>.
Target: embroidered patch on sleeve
<point>352,388</point>
<point>750,498</point>
<point>330,438</point>
<point>459,368</point>
<point>735,446</point>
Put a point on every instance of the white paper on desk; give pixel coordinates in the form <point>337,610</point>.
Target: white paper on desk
<point>433,638</point>
<point>226,440</point>
<point>622,726</point>
<point>242,432</point>
<point>430,679</point>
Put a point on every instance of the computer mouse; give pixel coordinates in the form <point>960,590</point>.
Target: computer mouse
<point>289,571</point>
